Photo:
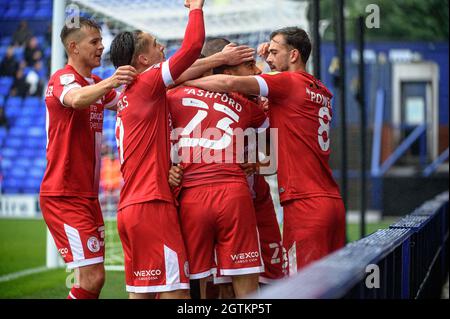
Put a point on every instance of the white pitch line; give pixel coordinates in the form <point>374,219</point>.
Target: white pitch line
<point>23,273</point>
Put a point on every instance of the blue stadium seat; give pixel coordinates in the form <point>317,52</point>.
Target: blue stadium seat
<point>22,163</point>
<point>24,122</point>
<point>6,80</point>
<point>12,112</point>
<point>11,186</point>
<point>48,52</point>
<point>41,162</point>
<point>98,72</point>
<point>31,185</point>
<point>13,12</point>
<point>6,164</point>
<point>29,153</point>
<point>18,172</point>
<point>36,172</point>
<point>28,10</point>
<point>8,152</point>
<point>36,131</point>
<point>14,101</point>
<point>2,100</point>
<point>13,142</point>
<point>34,142</point>
<point>19,53</point>
<point>43,13</point>
<point>32,101</point>
<point>3,131</point>
<point>28,111</point>
<point>5,41</point>
<point>5,85</point>
<point>17,132</point>
<point>108,72</point>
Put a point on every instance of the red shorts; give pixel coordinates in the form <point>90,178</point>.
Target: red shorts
<point>77,227</point>
<point>155,257</point>
<point>273,253</point>
<point>220,220</point>
<point>312,228</point>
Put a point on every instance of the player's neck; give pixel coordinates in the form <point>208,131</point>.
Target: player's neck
<point>297,68</point>
<point>141,68</point>
<point>82,69</point>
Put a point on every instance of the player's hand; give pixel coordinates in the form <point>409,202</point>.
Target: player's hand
<point>235,55</point>
<point>263,50</point>
<point>175,176</point>
<point>264,103</point>
<point>124,75</point>
<point>194,4</point>
<point>249,168</point>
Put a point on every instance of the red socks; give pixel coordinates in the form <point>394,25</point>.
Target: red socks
<point>80,293</point>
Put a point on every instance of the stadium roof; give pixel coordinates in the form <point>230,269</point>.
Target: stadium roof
<point>167,19</point>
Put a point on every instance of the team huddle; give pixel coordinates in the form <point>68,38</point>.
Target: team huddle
<point>194,204</point>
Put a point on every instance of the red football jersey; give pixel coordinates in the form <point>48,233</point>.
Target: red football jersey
<point>300,108</point>
<point>74,138</point>
<point>143,139</point>
<point>142,127</point>
<point>205,135</point>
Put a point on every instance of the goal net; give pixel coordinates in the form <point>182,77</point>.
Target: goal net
<point>247,22</point>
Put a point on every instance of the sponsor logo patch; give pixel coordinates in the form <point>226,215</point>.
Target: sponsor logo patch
<point>148,274</point>
<point>93,244</point>
<point>66,79</point>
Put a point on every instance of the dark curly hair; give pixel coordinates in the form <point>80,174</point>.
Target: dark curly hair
<point>126,46</point>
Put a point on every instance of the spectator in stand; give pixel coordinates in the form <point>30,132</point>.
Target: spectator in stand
<point>34,77</point>
<point>22,34</point>
<point>20,86</point>
<point>32,52</point>
<point>9,65</point>
<point>3,119</point>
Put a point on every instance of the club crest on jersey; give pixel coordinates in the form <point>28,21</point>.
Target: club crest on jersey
<point>93,244</point>
<point>67,79</point>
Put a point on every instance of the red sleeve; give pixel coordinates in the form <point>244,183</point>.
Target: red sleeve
<point>275,86</point>
<point>111,98</point>
<point>258,116</point>
<point>63,83</point>
<point>190,49</point>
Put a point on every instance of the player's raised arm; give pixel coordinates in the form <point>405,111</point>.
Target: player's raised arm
<point>226,83</point>
<point>192,44</point>
<point>82,97</point>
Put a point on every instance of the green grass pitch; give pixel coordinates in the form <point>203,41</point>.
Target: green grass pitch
<point>22,247</point>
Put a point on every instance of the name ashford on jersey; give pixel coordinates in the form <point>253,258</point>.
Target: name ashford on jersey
<point>194,144</point>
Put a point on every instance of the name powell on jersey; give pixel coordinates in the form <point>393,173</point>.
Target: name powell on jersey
<point>318,98</point>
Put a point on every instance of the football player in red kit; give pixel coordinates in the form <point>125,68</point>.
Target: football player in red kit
<point>217,174</point>
<point>155,258</point>
<point>221,233</point>
<point>300,109</point>
<point>75,100</point>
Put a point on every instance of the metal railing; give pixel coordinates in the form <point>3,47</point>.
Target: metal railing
<point>409,260</point>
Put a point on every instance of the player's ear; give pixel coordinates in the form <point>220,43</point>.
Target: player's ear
<point>294,56</point>
<point>142,59</point>
<point>73,47</point>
